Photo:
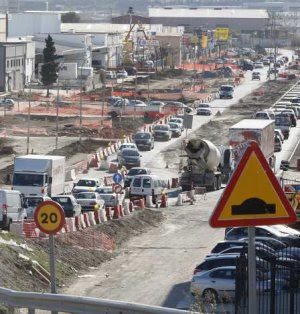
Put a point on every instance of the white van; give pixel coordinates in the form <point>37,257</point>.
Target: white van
<point>143,185</point>
<point>12,208</point>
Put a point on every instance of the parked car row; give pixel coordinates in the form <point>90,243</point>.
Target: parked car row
<point>215,278</point>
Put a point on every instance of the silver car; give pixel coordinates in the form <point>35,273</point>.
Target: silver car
<point>89,201</point>
<point>69,205</point>
<point>215,284</point>
<point>108,195</point>
<point>33,202</point>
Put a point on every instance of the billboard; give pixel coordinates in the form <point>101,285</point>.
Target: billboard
<point>222,33</point>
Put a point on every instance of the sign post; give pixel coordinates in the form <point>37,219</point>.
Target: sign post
<point>49,218</point>
<point>252,197</point>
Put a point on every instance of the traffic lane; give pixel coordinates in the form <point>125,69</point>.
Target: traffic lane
<point>288,147</point>
<point>150,265</point>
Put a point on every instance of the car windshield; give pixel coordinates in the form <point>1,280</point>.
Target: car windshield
<point>261,115</point>
<point>107,190</point>
<point>61,200</point>
<point>87,196</point>
<point>131,152</point>
<point>161,127</point>
<point>135,172</point>
<point>142,136</point>
<point>26,179</point>
<point>281,120</point>
<point>127,146</point>
<point>89,183</point>
<point>226,88</point>
<point>34,201</point>
<point>174,125</point>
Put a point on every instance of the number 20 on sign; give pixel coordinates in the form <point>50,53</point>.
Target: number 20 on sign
<point>49,217</point>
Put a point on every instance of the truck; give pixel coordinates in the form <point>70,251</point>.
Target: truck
<point>247,130</point>
<point>208,165</point>
<point>39,175</point>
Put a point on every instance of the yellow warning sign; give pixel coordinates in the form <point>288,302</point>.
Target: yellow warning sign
<point>253,195</point>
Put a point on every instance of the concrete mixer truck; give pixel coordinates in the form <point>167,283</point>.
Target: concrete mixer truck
<point>207,165</point>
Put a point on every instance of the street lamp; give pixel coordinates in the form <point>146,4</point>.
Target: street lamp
<point>28,120</point>
<point>57,100</point>
<point>80,100</point>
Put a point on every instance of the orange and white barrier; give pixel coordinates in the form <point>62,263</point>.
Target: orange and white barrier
<point>91,218</point>
<point>103,216</point>
<point>82,222</point>
<point>86,219</point>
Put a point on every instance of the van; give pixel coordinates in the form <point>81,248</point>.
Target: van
<point>226,91</point>
<point>147,185</point>
<point>12,208</point>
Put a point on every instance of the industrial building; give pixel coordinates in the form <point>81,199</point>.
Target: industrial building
<point>242,20</point>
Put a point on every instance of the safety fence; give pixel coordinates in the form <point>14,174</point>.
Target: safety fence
<point>277,280</point>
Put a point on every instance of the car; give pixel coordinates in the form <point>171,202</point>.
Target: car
<point>144,140</point>
<point>156,103</point>
<point>258,65</point>
<point>292,115</point>
<point>122,74</point>
<point>178,105</point>
<point>212,262</point>
<point>204,112</point>
<point>86,185</point>
<point>266,62</point>
<point>111,199</point>
<point>271,113</point>
<point>203,105</point>
<point>162,132</point>
<point>262,115</point>
<point>178,121</point>
<point>278,133</point>
<point>149,64</point>
<point>216,284</point>
<point>89,201</point>
<point>135,171</point>
<point>277,144</point>
<point>129,158</point>
<point>223,245</point>
<point>7,103</point>
<point>273,243</point>
<point>113,99</point>
<point>255,76</point>
<point>175,129</point>
<point>69,204</point>
<point>226,91</point>
<point>126,145</point>
<point>263,231</point>
<point>110,75</point>
<point>33,202</point>
<point>137,103</point>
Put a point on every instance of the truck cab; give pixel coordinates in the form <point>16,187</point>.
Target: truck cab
<point>226,91</point>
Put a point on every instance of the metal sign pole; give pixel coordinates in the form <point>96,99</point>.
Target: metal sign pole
<point>52,263</point>
<point>252,307</point>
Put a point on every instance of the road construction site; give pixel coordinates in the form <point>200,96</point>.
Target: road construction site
<point>149,256</point>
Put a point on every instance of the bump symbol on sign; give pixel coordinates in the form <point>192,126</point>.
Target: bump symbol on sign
<point>253,206</point>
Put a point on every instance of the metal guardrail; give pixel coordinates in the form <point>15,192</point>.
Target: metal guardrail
<point>76,304</point>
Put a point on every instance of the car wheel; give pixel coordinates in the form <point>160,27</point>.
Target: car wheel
<point>210,296</point>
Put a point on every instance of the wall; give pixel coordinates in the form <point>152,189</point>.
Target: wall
<point>2,27</point>
<point>2,68</point>
<point>29,24</point>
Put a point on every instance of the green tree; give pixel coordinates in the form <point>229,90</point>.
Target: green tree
<point>70,17</point>
<point>50,67</point>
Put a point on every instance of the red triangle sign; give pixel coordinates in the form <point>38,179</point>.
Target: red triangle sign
<point>253,195</point>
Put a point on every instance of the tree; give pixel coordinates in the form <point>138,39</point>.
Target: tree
<point>70,17</point>
<point>50,67</point>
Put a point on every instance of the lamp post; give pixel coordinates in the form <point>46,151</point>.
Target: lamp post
<point>80,101</point>
<point>28,120</point>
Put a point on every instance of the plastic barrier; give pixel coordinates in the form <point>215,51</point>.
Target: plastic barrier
<point>86,219</point>
<point>108,181</point>
<point>108,213</point>
<point>141,203</point>
<point>103,215</point>
<point>94,161</point>
<point>131,206</point>
<point>121,212</point>
<point>164,201</point>
<point>82,222</point>
<point>116,214</point>
<point>97,217</point>
<point>17,228</point>
<point>148,201</point>
<point>113,167</point>
<point>30,230</point>
<point>77,222</point>
<point>126,208</point>
<point>71,224</point>
<point>175,183</point>
<point>66,226</point>
<point>91,218</point>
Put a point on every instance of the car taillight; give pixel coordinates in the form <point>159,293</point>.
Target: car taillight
<point>4,207</point>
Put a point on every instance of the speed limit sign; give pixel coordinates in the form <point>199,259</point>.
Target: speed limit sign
<point>49,217</point>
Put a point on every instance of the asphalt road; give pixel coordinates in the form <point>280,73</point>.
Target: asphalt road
<point>156,267</point>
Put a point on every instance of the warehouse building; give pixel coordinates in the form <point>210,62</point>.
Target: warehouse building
<point>243,20</point>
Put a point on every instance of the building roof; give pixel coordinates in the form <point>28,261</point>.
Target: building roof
<point>173,12</point>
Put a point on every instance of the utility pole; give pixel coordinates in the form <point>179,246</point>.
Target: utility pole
<point>28,120</point>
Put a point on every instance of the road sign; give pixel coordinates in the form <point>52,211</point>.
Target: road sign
<point>253,196</point>
<point>117,177</point>
<point>117,188</point>
<point>49,217</point>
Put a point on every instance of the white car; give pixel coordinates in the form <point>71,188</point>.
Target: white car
<point>178,121</point>
<point>278,133</point>
<point>110,198</point>
<point>215,284</point>
<point>262,115</point>
<point>258,65</point>
<point>204,112</point>
<point>203,105</point>
<point>33,202</point>
<point>69,205</point>
<point>86,185</point>
<point>122,74</point>
<point>89,201</point>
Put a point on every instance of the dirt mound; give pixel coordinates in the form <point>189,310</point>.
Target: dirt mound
<point>75,251</point>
